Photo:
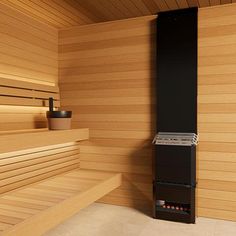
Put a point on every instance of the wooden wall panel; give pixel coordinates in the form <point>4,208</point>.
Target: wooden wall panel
<point>29,53</point>
<point>106,78</point>
<point>28,48</point>
<point>216,113</point>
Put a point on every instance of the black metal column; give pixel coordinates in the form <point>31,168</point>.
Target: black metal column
<point>175,166</point>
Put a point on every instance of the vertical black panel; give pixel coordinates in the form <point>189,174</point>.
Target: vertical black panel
<point>177,71</point>
<point>175,166</point>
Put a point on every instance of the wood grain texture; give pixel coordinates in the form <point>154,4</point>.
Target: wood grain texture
<point>108,87</point>
<point>216,114</point>
<point>28,60</point>
<point>66,13</point>
<point>28,140</point>
<point>52,201</point>
<point>106,78</point>
<point>32,156</point>
<point>14,92</point>
<point>25,167</point>
<point>28,48</point>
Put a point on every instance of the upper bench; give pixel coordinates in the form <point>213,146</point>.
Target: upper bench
<point>21,140</point>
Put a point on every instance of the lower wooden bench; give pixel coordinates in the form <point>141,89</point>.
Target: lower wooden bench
<point>34,209</point>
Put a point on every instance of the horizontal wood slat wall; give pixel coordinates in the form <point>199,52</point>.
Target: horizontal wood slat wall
<point>29,59</point>
<point>13,92</point>
<point>28,48</point>
<point>216,112</point>
<point>22,117</point>
<point>17,170</point>
<point>106,78</point>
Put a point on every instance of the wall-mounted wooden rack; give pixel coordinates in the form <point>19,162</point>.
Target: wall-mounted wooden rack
<point>20,93</point>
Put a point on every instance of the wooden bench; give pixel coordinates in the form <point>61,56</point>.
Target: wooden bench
<point>41,187</point>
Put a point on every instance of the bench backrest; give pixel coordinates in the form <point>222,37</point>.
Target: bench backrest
<point>22,168</point>
<point>20,93</point>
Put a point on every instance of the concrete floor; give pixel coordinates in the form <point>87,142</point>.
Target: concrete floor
<point>108,220</point>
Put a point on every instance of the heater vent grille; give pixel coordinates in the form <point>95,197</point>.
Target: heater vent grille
<point>177,139</point>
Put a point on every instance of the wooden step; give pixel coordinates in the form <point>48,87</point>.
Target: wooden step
<point>34,209</point>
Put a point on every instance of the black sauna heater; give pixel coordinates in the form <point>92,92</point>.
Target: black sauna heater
<point>174,180</point>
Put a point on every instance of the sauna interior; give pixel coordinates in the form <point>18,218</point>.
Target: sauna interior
<point>117,117</point>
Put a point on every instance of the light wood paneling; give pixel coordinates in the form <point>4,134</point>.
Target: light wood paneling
<point>28,59</point>
<point>66,13</point>
<point>27,117</point>
<point>106,78</point>
<point>28,48</point>
<point>108,87</point>
<point>216,114</point>
<point>15,92</point>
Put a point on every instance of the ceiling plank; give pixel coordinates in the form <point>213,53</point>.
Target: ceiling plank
<point>214,2</point>
<point>105,8</point>
<point>162,5</point>
<point>23,8</point>
<point>204,3</point>
<point>76,11</point>
<point>172,4</point>
<point>124,10</point>
<point>182,3</point>
<point>115,11</point>
<point>131,7</point>
<point>151,5</point>
<point>87,9</point>
<point>56,11</point>
<point>193,3</point>
<point>67,13</point>
<point>225,1</point>
<point>39,7</point>
<point>142,12</point>
<point>142,7</point>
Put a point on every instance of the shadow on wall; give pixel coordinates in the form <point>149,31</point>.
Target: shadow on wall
<point>136,190</point>
<point>153,117</point>
<point>153,90</point>
<point>141,185</point>
<point>26,121</point>
<point>40,121</point>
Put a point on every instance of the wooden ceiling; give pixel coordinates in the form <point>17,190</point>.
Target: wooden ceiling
<point>66,13</point>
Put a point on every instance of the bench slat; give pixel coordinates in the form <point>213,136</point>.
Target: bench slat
<point>14,164</point>
<point>39,165</point>
<point>35,178</point>
<point>95,185</point>
<point>18,209</point>
<point>48,169</point>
